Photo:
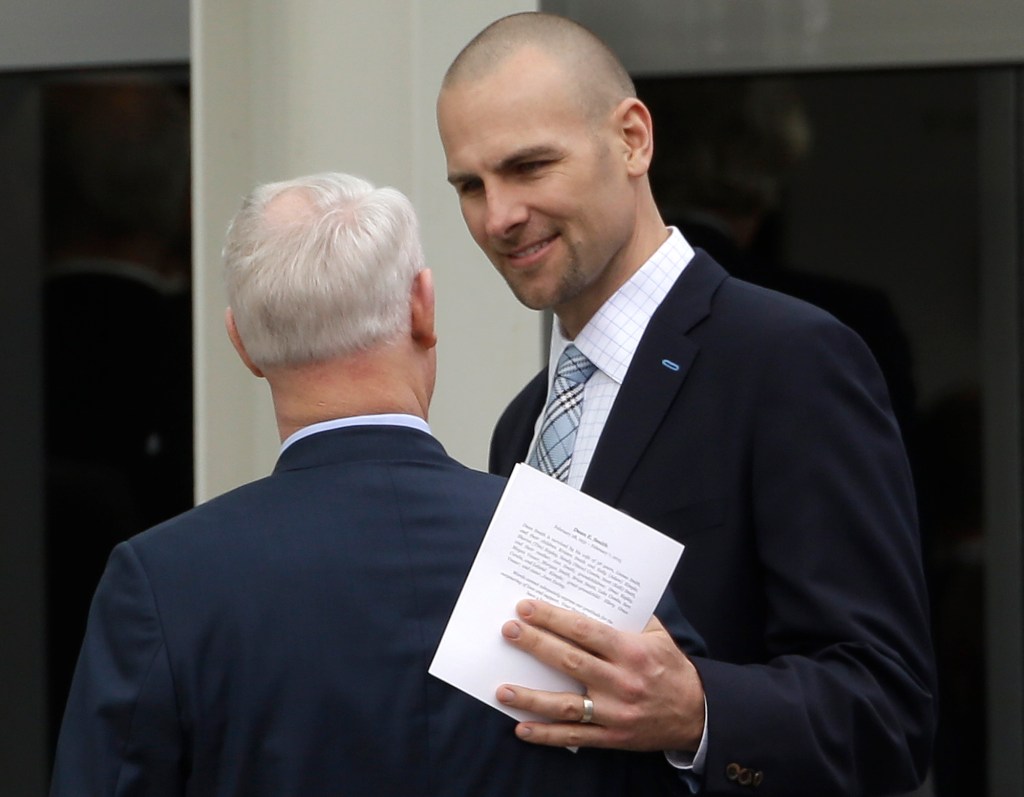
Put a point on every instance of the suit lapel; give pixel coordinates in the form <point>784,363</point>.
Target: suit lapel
<point>655,377</point>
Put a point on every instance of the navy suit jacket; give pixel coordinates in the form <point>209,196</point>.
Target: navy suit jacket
<point>757,430</point>
<point>276,640</point>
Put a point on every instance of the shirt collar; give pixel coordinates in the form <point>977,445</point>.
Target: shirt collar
<point>612,336</point>
<point>384,419</point>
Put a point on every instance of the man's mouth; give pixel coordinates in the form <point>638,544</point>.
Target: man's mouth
<point>531,250</point>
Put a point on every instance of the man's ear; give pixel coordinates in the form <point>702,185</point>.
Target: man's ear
<point>637,135</point>
<point>422,309</point>
<point>236,341</point>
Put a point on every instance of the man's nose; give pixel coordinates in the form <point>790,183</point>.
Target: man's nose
<point>505,211</point>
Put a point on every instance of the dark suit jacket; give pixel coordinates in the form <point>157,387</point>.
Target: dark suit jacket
<point>276,640</point>
<point>757,430</point>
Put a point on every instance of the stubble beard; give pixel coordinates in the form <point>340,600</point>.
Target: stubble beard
<point>571,284</point>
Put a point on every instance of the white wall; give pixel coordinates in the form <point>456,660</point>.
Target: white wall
<point>281,90</point>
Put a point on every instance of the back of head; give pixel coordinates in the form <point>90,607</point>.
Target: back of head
<point>600,79</point>
<point>320,267</point>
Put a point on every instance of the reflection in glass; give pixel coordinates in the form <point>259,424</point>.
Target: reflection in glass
<point>117,332</point>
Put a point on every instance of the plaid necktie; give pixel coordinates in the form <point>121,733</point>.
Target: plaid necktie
<point>553,451</point>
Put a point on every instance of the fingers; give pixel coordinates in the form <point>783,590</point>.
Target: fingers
<point>553,649</point>
<point>555,706</point>
<point>566,712</point>
<point>587,633</point>
<point>592,652</point>
<point>569,735</point>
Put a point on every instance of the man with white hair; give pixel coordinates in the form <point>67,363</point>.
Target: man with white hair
<point>275,640</point>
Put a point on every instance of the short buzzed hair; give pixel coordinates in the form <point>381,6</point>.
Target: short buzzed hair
<point>601,79</point>
<point>320,267</point>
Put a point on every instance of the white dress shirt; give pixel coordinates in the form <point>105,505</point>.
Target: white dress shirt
<point>609,341</point>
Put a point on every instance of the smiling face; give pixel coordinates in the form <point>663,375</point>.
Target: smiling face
<point>547,186</point>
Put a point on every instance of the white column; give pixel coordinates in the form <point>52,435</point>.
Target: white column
<point>281,90</point>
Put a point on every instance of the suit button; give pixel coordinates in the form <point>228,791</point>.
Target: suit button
<point>758,778</point>
<point>746,777</point>
<point>732,772</point>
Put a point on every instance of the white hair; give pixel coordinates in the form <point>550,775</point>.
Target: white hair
<point>320,267</point>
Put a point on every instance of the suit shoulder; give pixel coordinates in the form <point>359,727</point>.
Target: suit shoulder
<point>212,514</point>
<point>756,318</point>
<point>474,485</point>
<point>760,327</point>
<point>767,308</point>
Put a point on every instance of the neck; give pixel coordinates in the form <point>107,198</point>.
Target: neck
<point>649,233</point>
<point>367,383</point>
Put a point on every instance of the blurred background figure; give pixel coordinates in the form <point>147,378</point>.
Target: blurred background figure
<point>117,319</point>
<point>724,152</point>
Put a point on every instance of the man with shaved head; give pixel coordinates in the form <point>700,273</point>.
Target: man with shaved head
<point>750,426</point>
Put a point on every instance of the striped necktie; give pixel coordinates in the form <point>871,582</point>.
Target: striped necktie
<point>553,451</point>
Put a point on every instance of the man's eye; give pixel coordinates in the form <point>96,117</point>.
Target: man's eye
<point>468,187</point>
<point>531,166</point>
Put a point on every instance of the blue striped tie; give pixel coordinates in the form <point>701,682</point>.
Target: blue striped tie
<point>553,452</point>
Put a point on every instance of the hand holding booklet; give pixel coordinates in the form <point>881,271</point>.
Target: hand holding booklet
<point>550,542</point>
